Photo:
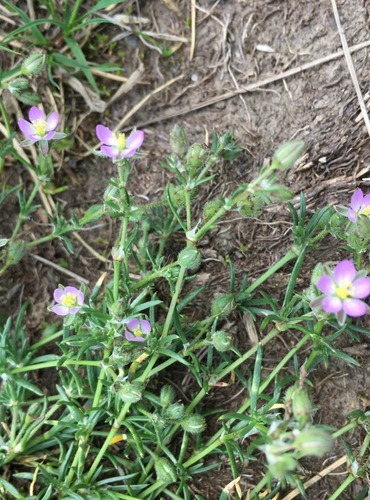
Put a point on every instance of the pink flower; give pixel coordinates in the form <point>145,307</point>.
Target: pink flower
<point>137,329</point>
<point>69,300</point>
<point>360,205</point>
<point>343,290</point>
<point>40,128</point>
<point>116,145</point>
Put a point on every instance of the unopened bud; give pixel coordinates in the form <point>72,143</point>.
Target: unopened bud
<point>17,85</point>
<point>193,424</point>
<point>221,341</point>
<point>34,64</point>
<point>189,258</point>
<point>301,405</point>
<point>196,157</point>
<point>178,141</point>
<point>130,393</point>
<point>313,441</point>
<point>175,411</point>
<point>167,395</point>
<point>223,305</point>
<point>16,251</point>
<point>287,154</point>
<point>166,471</point>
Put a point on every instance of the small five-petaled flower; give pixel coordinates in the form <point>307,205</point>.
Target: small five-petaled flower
<point>137,329</point>
<point>360,205</point>
<point>69,300</point>
<point>116,145</point>
<point>343,289</point>
<point>40,128</point>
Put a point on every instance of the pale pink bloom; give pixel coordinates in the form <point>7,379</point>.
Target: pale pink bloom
<point>343,290</point>
<point>69,300</point>
<point>117,145</point>
<point>40,128</point>
<point>137,329</point>
<point>360,205</point>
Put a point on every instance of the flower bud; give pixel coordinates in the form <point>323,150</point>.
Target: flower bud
<point>166,471</point>
<point>34,64</point>
<point>16,251</point>
<point>175,411</point>
<point>287,154</point>
<point>223,305</point>
<point>196,157</point>
<point>118,253</point>
<point>193,424</point>
<point>17,85</point>
<point>178,141</point>
<point>211,207</point>
<point>189,258</point>
<point>221,341</point>
<point>167,395</point>
<point>130,393</point>
<point>301,406</point>
<point>313,441</point>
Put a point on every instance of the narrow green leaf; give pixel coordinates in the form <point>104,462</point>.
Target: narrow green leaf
<point>80,58</point>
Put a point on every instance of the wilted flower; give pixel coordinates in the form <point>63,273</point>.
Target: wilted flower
<point>69,300</point>
<point>343,290</point>
<point>137,329</point>
<point>117,145</point>
<point>360,205</point>
<point>40,128</point>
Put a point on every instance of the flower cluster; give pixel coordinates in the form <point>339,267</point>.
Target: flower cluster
<point>343,290</point>
<point>40,128</point>
<point>360,205</point>
<point>69,300</point>
<point>116,145</point>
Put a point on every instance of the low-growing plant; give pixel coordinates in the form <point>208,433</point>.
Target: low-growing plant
<point>113,428</point>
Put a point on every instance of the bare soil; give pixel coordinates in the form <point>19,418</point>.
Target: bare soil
<point>249,75</point>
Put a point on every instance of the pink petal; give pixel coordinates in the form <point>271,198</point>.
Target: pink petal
<point>326,285</point>
<point>345,270</point>
<point>127,153</point>
<point>131,337</point>
<point>105,135</point>
<point>58,292</point>
<point>135,140</point>
<point>361,288</point>
<point>133,324</point>
<point>49,136</point>
<point>146,327</point>
<point>52,121</point>
<point>73,310</point>
<point>366,201</point>
<point>351,215</point>
<point>110,151</point>
<point>356,200</point>
<point>60,310</point>
<point>331,304</point>
<point>355,307</point>
<point>36,114</point>
<point>27,129</point>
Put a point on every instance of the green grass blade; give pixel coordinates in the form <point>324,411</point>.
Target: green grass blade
<point>81,62</point>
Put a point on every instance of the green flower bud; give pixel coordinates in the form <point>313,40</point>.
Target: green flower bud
<point>279,464</point>
<point>118,253</point>
<point>287,154</point>
<point>301,406</point>
<point>193,424</point>
<point>223,305</point>
<point>189,258</point>
<point>313,441</point>
<point>178,141</point>
<point>130,393</point>
<point>16,251</point>
<point>34,64</point>
<point>196,157</point>
<point>167,395</point>
<point>27,97</point>
<point>16,86</point>
<point>222,341</point>
<point>211,207</point>
<point>177,194</point>
<point>166,471</point>
<point>175,411</point>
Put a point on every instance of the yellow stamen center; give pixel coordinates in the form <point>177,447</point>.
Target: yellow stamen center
<point>137,332</point>
<point>365,211</point>
<point>121,141</point>
<point>69,300</point>
<point>344,289</point>
<point>39,127</point>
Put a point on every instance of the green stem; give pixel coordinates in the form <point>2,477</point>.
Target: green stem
<point>53,364</point>
<point>342,487</point>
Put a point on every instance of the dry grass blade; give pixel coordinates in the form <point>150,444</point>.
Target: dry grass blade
<point>317,477</point>
<point>60,269</point>
<point>351,67</point>
<point>129,84</point>
<point>193,28</point>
